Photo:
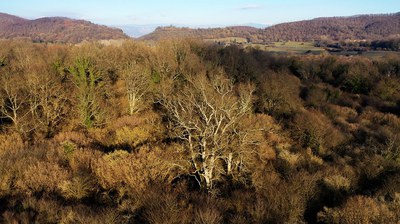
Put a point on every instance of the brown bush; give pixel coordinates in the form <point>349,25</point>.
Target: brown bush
<point>316,96</point>
<point>78,138</point>
<point>344,117</point>
<point>41,176</point>
<point>78,187</point>
<point>315,130</point>
<point>129,132</point>
<point>10,142</point>
<point>279,94</point>
<point>83,214</point>
<point>388,89</point>
<point>80,160</point>
<point>130,173</point>
<point>209,215</point>
<point>284,201</point>
<point>358,209</point>
<point>166,207</point>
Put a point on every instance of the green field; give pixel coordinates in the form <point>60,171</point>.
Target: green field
<point>277,47</point>
<point>292,47</point>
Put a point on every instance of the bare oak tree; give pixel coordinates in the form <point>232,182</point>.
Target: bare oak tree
<point>204,111</point>
<point>137,81</point>
<point>48,101</point>
<point>14,100</point>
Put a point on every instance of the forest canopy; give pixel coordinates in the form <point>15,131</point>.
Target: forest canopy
<point>188,132</point>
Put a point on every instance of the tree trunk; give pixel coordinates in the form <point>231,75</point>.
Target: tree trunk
<point>208,167</point>
<point>208,174</point>
<point>132,103</point>
<point>229,164</point>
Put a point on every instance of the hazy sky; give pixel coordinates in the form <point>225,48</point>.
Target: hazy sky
<point>195,12</point>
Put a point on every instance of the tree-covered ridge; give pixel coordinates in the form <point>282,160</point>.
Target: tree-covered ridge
<point>55,29</point>
<point>364,27</point>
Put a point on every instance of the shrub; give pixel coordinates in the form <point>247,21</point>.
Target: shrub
<point>129,132</point>
<point>165,208</point>
<point>78,187</point>
<point>315,130</point>
<point>285,200</point>
<point>358,209</point>
<point>209,215</point>
<point>12,141</point>
<point>86,215</point>
<point>316,96</point>
<point>387,89</point>
<point>279,94</point>
<point>337,183</point>
<point>80,161</point>
<point>130,173</point>
<point>41,176</point>
<point>73,137</point>
<point>132,137</point>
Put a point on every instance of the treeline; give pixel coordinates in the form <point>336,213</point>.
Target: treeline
<point>364,45</point>
<point>393,44</point>
<point>180,131</point>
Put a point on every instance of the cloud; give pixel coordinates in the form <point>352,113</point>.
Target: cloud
<point>250,7</point>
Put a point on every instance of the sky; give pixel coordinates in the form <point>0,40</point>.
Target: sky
<point>195,12</point>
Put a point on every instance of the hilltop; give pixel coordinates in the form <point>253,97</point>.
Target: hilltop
<point>202,33</point>
<point>55,29</point>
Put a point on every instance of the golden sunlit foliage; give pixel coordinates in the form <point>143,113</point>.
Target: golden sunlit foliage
<point>186,132</point>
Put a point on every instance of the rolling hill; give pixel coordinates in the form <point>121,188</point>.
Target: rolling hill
<point>371,27</point>
<point>202,33</point>
<point>55,29</point>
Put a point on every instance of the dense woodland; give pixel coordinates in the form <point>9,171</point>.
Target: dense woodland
<point>184,132</point>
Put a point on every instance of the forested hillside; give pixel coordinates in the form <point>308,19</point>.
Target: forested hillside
<point>55,29</point>
<point>184,132</point>
<point>363,27</point>
<point>172,32</point>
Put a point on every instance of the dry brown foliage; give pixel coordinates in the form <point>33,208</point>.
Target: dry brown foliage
<point>359,209</point>
<point>330,139</point>
<point>313,129</point>
<point>130,173</point>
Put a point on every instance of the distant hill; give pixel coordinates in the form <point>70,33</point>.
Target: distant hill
<point>202,33</point>
<point>55,29</point>
<point>337,28</point>
<point>360,27</point>
<point>136,31</point>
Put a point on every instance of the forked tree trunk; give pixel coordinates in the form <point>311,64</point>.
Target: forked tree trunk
<point>209,172</point>
<point>133,103</point>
